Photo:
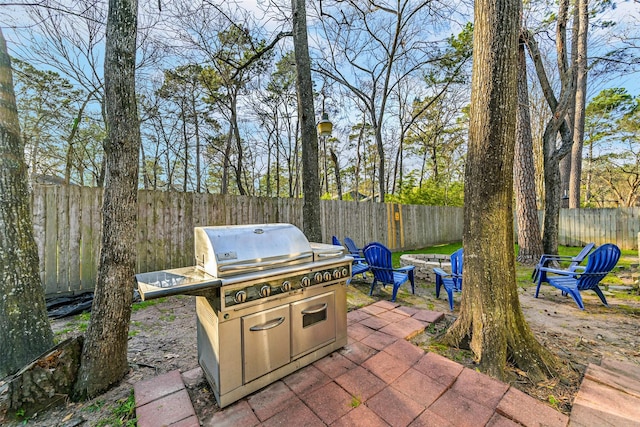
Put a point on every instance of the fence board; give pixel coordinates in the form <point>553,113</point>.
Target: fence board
<point>86,247</point>
<point>50,241</point>
<point>75,208</point>
<point>39,217</point>
<point>62,270</point>
<point>142,232</point>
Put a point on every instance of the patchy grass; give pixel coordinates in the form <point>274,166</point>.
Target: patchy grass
<point>123,413</point>
<point>168,317</point>
<point>358,294</point>
<point>21,415</point>
<point>634,311</point>
<point>144,304</point>
<point>355,401</point>
<point>64,331</point>
<point>95,406</point>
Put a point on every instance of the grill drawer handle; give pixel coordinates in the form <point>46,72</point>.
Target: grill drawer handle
<point>320,307</point>
<point>269,325</point>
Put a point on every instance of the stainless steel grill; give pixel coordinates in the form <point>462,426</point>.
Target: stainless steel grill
<point>268,303</point>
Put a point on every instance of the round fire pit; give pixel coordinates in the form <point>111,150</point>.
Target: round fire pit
<point>425,263</point>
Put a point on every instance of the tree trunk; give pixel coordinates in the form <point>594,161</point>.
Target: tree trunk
<point>490,313</point>
<point>197,135</point>
<point>236,137</point>
<point>71,137</point>
<point>334,159</point>
<point>565,175</point>
<point>557,124</point>
<point>381,161</point>
<point>25,332</point>
<point>580,108</point>
<point>185,137</point>
<point>224,185</point>
<point>104,355</point>
<point>304,86</point>
<point>529,238</point>
<point>552,194</point>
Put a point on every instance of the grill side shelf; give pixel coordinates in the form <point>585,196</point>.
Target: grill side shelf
<point>178,281</point>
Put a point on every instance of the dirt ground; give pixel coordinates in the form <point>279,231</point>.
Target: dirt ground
<point>163,338</point>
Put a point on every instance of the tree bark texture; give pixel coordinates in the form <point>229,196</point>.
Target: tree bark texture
<point>524,171</point>
<point>238,139</point>
<point>48,380</point>
<point>25,331</point>
<point>580,104</point>
<point>310,179</point>
<point>565,175</point>
<point>490,313</point>
<point>336,168</point>
<point>104,356</point>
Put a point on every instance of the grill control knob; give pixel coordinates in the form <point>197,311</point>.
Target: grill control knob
<point>305,281</point>
<point>345,271</point>
<point>240,297</point>
<point>265,291</point>
<point>317,277</point>
<point>327,276</point>
<point>286,286</point>
<point>336,274</point>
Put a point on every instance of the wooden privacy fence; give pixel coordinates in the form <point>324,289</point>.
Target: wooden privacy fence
<point>606,225</point>
<point>67,227</point>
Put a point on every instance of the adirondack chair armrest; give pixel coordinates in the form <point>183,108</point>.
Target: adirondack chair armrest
<point>556,257</point>
<point>406,268</point>
<point>558,271</point>
<point>441,272</point>
<point>358,259</point>
<point>546,259</point>
<point>573,273</point>
<point>392,270</point>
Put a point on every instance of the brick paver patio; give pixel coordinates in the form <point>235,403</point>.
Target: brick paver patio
<point>380,379</point>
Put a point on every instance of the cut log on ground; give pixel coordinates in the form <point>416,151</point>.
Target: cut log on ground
<point>46,381</point>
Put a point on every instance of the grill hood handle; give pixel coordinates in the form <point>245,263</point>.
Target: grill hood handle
<point>257,265</point>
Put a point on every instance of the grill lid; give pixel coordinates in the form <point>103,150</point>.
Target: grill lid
<point>323,251</point>
<point>236,249</point>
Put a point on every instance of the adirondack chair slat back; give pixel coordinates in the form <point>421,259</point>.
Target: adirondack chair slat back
<point>577,260</point>
<point>351,246</point>
<point>599,264</point>
<point>456,268</point>
<point>379,256</point>
<point>335,241</point>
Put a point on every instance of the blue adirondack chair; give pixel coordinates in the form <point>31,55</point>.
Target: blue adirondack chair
<point>378,257</point>
<point>352,247</point>
<point>452,282</point>
<point>572,282</point>
<point>547,260</point>
<point>359,265</point>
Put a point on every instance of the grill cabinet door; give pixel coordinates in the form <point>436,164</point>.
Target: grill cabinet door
<point>313,323</point>
<point>266,344</point>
